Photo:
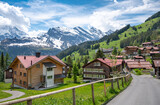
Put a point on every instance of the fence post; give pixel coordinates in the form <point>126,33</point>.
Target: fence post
<point>112,84</point>
<point>122,82</point>
<point>118,83</point>
<point>93,94</point>
<point>104,88</point>
<point>29,102</point>
<point>74,96</point>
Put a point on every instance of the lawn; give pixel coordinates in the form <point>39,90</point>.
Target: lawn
<point>83,94</point>
<point>2,87</point>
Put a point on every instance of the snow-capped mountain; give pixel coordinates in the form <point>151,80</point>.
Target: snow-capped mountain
<point>57,38</point>
<point>10,32</point>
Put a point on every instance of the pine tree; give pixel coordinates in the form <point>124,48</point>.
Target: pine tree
<point>139,51</point>
<point>125,35</point>
<point>99,54</point>
<point>69,61</point>
<point>7,61</point>
<point>148,39</point>
<point>114,52</point>
<point>75,71</point>
<point>85,60</point>
<point>2,68</point>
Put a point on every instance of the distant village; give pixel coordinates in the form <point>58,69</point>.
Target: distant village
<point>41,71</point>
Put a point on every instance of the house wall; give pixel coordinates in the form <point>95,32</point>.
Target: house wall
<point>17,76</point>
<point>35,73</point>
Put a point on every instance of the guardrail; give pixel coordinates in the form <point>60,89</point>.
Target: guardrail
<point>29,99</point>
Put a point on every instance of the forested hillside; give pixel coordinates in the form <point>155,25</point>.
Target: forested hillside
<point>128,35</point>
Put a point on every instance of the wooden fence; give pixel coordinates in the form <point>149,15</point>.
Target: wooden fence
<point>29,99</point>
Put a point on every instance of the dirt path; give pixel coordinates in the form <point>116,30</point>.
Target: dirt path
<point>15,94</point>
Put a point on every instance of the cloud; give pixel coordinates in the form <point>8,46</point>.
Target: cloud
<point>115,1</point>
<point>11,15</point>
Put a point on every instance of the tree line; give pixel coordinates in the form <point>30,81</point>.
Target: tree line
<point>5,61</point>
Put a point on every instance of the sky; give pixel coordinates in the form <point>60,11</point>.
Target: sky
<point>34,16</point>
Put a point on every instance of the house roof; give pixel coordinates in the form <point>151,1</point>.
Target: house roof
<point>138,57</point>
<point>154,52</point>
<point>109,62</point>
<point>149,48</point>
<point>147,43</point>
<point>156,63</point>
<point>139,64</point>
<point>131,47</point>
<point>29,61</point>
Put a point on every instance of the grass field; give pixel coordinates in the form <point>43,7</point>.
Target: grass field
<point>4,86</point>
<point>83,94</point>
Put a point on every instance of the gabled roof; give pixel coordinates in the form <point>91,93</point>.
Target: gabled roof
<point>147,43</point>
<point>29,61</point>
<point>139,64</point>
<point>109,62</point>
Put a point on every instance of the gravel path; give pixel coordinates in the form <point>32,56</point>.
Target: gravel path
<point>143,90</point>
<point>15,94</point>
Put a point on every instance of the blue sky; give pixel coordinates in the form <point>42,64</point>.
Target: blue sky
<point>34,16</point>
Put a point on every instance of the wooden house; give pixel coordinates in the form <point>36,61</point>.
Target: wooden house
<point>155,55</point>
<point>101,68</point>
<point>147,44</point>
<point>156,65</point>
<point>131,50</point>
<point>140,64</point>
<point>37,71</point>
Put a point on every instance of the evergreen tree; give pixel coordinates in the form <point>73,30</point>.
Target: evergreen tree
<point>79,64</point>
<point>125,35</point>
<point>69,73</point>
<point>139,51</point>
<point>85,60</point>
<point>99,54</point>
<point>75,71</point>
<point>2,68</point>
<point>7,61</point>
<point>69,61</point>
<point>148,39</point>
<point>114,52</point>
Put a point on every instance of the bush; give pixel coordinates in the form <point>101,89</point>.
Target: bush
<point>138,72</point>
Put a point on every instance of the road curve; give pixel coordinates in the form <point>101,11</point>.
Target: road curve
<point>144,90</point>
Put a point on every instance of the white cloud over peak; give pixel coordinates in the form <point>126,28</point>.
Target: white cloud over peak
<point>11,15</point>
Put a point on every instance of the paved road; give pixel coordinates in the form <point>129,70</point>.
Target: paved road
<point>144,90</point>
<point>15,94</point>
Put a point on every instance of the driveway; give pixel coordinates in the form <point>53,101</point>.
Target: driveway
<point>15,94</point>
<point>144,90</point>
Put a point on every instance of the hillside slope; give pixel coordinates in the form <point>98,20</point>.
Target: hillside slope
<point>151,28</point>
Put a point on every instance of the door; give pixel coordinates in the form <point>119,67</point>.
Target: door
<point>50,77</point>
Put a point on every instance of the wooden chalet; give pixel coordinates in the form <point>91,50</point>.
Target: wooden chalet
<point>37,71</point>
<point>155,55</point>
<point>156,65</point>
<point>131,50</point>
<point>147,44</point>
<point>140,64</point>
<point>101,68</point>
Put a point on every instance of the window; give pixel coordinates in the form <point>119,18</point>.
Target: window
<point>20,73</point>
<point>38,65</point>
<point>15,80</point>
<point>20,81</point>
<point>24,74</point>
<point>15,72</point>
<point>49,69</point>
<point>97,64</point>
<point>21,66</point>
<point>10,70</point>
<point>49,77</point>
<point>24,82</point>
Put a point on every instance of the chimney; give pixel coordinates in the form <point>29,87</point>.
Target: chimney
<point>38,54</point>
<point>103,58</point>
<point>24,57</point>
<point>31,62</point>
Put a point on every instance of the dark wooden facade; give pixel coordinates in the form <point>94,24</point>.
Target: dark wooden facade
<point>92,72</point>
